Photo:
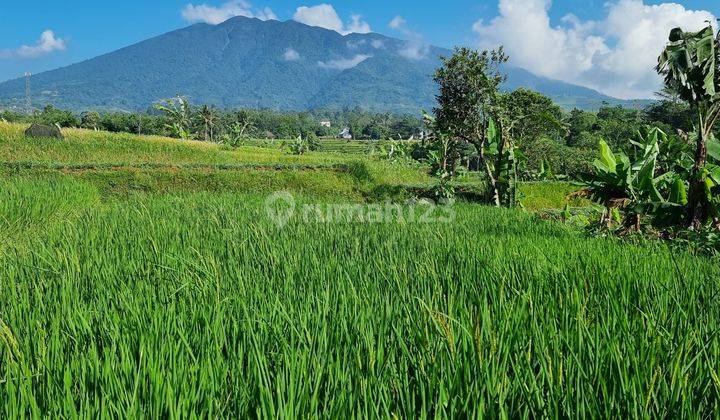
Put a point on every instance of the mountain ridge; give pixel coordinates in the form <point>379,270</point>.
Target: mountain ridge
<point>246,62</point>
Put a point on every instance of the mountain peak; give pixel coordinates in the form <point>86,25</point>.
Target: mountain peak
<point>248,62</point>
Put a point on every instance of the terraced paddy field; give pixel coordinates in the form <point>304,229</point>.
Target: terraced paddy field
<point>151,277</point>
<point>328,145</point>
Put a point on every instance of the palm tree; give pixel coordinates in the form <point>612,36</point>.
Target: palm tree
<point>179,113</point>
<point>208,118</point>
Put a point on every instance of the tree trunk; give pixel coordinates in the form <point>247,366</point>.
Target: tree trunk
<point>499,163</point>
<point>697,201</point>
<point>489,173</point>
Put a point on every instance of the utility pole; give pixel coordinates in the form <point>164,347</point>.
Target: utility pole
<point>28,98</point>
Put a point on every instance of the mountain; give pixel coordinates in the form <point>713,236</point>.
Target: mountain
<point>251,63</point>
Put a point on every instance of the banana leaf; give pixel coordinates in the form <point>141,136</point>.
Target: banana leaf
<point>607,161</point>
<point>646,182</point>
<point>713,148</point>
<point>678,192</point>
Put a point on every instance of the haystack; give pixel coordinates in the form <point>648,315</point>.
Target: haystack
<point>47,131</point>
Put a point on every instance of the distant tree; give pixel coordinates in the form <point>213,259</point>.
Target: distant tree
<point>179,114</point>
<point>533,115</point>
<point>579,123</point>
<point>51,115</point>
<point>244,121</point>
<point>689,64</point>
<point>405,126</point>
<point>672,113</point>
<point>357,121</point>
<point>90,120</point>
<point>207,119</point>
<point>616,125</point>
<point>471,109</point>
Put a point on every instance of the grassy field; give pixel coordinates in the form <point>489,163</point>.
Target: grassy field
<point>101,149</point>
<point>337,146</point>
<point>168,290</point>
<point>549,195</point>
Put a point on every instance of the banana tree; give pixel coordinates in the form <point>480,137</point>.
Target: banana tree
<point>207,118</point>
<point>179,114</point>
<point>689,64</point>
<point>634,186</point>
<point>500,157</point>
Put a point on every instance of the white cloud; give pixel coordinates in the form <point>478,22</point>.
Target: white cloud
<point>415,50</point>
<point>325,16</point>
<point>291,55</point>
<point>354,45</point>
<point>415,47</point>
<point>616,55</point>
<point>344,63</point>
<point>45,45</point>
<point>362,44</point>
<point>397,22</point>
<point>214,15</point>
<point>357,25</point>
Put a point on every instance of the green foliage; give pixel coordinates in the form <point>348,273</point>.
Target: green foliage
<point>689,64</point>
<point>532,115</point>
<point>206,120</point>
<point>90,120</point>
<point>298,146</point>
<point>472,110</point>
<point>546,172</point>
<point>546,195</point>
<point>670,113</point>
<point>393,150</point>
<point>469,84</point>
<point>703,242</point>
<point>51,116</point>
<point>239,124</point>
<point>638,186</point>
<point>546,153</point>
<point>195,303</point>
<point>179,114</point>
<point>11,116</point>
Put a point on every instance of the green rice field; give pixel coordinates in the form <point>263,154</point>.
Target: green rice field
<point>146,277</point>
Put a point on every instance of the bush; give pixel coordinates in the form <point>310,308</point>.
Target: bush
<point>564,160</point>
<point>51,116</point>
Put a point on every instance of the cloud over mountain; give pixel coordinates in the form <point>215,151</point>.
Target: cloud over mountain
<point>218,14</point>
<point>245,62</point>
<point>291,55</point>
<point>344,63</point>
<point>415,48</point>
<point>615,55</point>
<point>325,16</point>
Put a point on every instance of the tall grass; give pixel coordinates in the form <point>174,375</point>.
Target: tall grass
<point>86,147</point>
<point>550,195</point>
<point>29,208</point>
<point>197,303</point>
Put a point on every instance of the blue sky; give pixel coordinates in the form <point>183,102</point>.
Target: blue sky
<point>84,29</point>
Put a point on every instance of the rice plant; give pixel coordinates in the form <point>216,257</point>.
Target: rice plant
<point>196,303</point>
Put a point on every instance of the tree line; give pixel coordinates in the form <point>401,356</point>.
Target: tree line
<point>550,141</point>
<point>177,117</point>
<point>659,167</point>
